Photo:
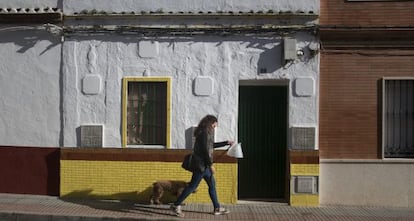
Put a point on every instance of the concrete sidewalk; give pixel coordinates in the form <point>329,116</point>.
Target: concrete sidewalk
<point>18,207</point>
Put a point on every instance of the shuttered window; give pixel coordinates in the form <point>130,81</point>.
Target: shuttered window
<point>146,110</point>
<point>398,118</point>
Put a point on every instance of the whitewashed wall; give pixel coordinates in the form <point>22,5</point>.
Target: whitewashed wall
<point>30,3</point>
<point>41,77</point>
<point>72,6</point>
<point>29,87</point>
<point>225,59</point>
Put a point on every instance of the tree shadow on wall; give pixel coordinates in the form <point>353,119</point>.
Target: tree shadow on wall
<point>270,60</point>
<point>26,37</point>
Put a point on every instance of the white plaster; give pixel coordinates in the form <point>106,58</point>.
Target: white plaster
<point>29,3</point>
<point>32,71</point>
<point>71,6</point>
<point>132,70</point>
<point>92,59</point>
<point>113,100</point>
<point>70,95</point>
<point>148,49</point>
<point>225,60</point>
<point>203,86</point>
<point>304,86</point>
<point>91,84</point>
<point>29,88</point>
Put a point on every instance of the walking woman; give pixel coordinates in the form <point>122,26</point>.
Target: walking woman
<point>203,149</point>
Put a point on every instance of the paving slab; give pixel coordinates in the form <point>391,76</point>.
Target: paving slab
<point>21,207</point>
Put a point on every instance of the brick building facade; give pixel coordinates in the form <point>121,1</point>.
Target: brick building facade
<point>365,45</point>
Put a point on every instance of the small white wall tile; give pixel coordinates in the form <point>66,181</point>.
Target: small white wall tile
<point>91,84</point>
<point>304,87</point>
<point>203,86</point>
<point>148,49</point>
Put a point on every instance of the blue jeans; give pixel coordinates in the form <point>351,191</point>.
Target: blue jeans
<point>195,181</point>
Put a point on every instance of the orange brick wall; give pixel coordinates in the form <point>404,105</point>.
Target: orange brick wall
<point>350,99</point>
<point>344,13</point>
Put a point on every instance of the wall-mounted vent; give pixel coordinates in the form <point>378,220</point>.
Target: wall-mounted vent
<point>303,138</point>
<point>305,184</point>
<point>91,135</point>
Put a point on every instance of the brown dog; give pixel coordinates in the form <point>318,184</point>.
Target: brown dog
<point>175,187</point>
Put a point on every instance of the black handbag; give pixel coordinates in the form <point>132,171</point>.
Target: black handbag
<point>187,162</point>
<point>193,163</point>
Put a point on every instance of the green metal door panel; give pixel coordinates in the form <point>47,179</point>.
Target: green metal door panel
<point>262,131</point>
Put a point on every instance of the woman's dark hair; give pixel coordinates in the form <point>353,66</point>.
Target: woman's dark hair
<point>205,124</point>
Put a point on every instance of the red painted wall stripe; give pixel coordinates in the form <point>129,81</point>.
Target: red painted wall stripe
<point>29,170</point>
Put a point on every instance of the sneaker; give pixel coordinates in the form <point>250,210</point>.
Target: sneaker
<point>221,211</point>
<point>177,210</point>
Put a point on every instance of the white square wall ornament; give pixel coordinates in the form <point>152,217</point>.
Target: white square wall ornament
<point>91,84</point>
<point>304,87</point>
<point>203,86</point>
<point>148,49</point>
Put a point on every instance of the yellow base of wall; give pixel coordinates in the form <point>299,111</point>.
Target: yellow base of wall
<point>304,169</point>
<point>304,200</point>
<point>133,180</point>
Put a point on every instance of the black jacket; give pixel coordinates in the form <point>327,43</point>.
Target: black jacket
<point>204,146</point>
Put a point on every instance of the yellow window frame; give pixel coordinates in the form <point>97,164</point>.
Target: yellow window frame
<point>125,82</point>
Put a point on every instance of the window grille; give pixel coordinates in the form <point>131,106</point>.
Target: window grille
<point>398,118</point>
<point>146,112</point>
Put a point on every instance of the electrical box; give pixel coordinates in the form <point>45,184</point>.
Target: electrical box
<point>289,49</point>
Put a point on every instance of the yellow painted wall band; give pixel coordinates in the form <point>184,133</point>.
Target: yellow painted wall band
<point>304,200</point>
<point>304,169</point>
<point>133,180</point>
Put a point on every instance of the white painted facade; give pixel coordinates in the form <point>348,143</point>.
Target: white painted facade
<point>30,90</point>
<point>29,3</point>
<point>226,60</point>
<point>51,81</point>
<point>72,6</point>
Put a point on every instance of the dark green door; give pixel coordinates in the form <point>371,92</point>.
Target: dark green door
<point>263,133</point>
